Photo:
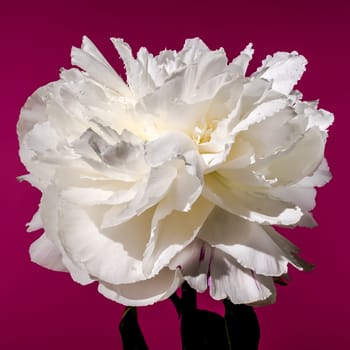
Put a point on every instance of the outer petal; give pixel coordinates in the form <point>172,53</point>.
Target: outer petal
<point>302,160</point>
<point>260,113</point>
<point>283,69</point>
<point>319,178</point>
<point>194,264</point>
<point>145,292</point>
<point>33,112</point>
<point>290,250</point>
<point>255,206</point>
<point>35,224</point>
<point>45,253</point>
<point>112,255</point>
<point>239,65</point>
<point>168,237</point>
<point>245,241</point>
<point>303,197</point>
<point>193,50</point>
<point>241,286</point>
<point>92,61</point>
<point>276,133</point>
<point>316,117</point>
<point>49,212</point>
<point>140,82</point>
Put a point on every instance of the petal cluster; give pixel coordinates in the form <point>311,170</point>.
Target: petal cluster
<point>177,174</point>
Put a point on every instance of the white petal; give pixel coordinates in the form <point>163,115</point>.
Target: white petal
<point>260,113</point>
<point>246,241</point>
<point>150,191</point>
<point>290,250</point>
<point>36,223</point>
<point>112,255</point>
<point>276,133</point>
<point>94,196</point>
<point>307,220</point>
<point>145,292</point>
<point>194,264</point>
<point>183,192</point>
<point>168,237</point>
<point>49,212</point>
<point>33,112</point>
<point>321,118</point>
<point>169,107</point>
<point>227,97</point>
<point>174,145</point>
<point>302,160</point>
<point>65,118</point>
<point>46,254</point>
<point>41,138</point>
<point>193,49</point>
<point>215,151</point>
<point>303,197</point>
<point>255,206</point>
<point>283,69</point>
<point>319,178</point>
<point>230,280</point>
<point>211,64</point>
<point>239,64</point>
<point>241,155</point>
<point>91,60</point>
<point>77,271</point>
<point>121,159</point>
<point>139,80</point>
<point>156,75</point>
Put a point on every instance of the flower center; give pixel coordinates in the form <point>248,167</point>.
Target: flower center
<point>202,133</point>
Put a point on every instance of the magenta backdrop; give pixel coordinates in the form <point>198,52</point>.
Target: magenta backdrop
<point>41,309</point>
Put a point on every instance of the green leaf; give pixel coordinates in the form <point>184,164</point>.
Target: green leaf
<point>242,326</point>
<point>130,331</point>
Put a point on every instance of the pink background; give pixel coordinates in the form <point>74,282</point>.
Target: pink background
<point>40,309</point>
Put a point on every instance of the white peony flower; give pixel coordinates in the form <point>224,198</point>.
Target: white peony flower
<point>178,174</point>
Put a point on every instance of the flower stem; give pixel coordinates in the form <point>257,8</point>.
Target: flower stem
<point>242,326</point>
<point>130,331</point>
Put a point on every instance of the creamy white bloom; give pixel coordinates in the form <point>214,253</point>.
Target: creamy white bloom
<point>177,174</point>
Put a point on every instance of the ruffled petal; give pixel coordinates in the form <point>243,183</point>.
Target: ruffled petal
<point>283,69</point>
<point>33,112</point>
<point>194,264</point>
<point>46,254</point>
<point>254,206</point>
<point>274,134</point>
<point>150,191</point>
<point>116,156</point>
<point>316,117</point>
<point>306,157</point>
<point>230,280</point>
<point>260,113</point>
<point>290,250</point>
<point>168,237</point>
<point>245,241</point>
<point>113,255</point>
<point>319,178</point>
<point>35,223</point>
<point>150,291</point>
<point>140,82</point>
<point>239,65</point>
<point>49,212</point>
<point>91,61</point>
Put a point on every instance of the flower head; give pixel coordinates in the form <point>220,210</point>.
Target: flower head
<point>177,174</point>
